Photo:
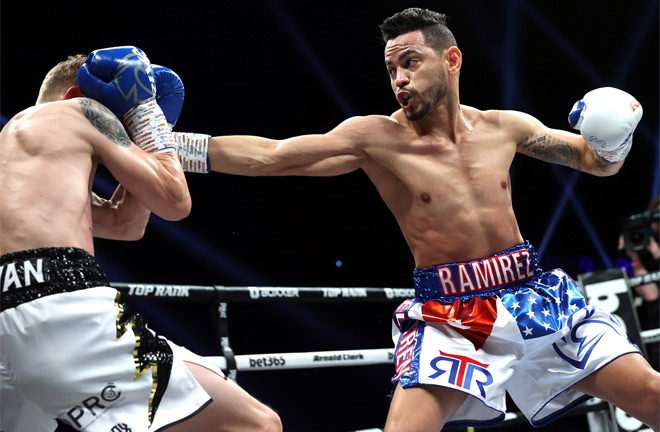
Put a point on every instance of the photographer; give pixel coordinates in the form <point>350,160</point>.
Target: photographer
<point>639,239</point>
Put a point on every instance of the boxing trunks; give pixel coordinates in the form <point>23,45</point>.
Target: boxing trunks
<point>473,324</point>
<point>70,350</point>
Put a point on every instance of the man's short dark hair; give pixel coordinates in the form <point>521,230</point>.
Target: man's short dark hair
<point>432,24</point>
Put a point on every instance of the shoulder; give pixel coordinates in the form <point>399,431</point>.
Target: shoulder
<point>37,116</point>
<point>369,131</point>
<point>514,124</point>
<point>84,118</point>
<point>368,128</point>
<point>500,118</point>
<point>369,121</point>
<point>89,108</point>
<point>66,109</point>
<point>92,109</point>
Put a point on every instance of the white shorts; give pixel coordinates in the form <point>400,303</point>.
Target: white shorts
<point>83,358</point>
<point>533,337</point>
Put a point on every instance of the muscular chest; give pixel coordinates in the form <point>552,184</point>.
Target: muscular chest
<point>469,170</point>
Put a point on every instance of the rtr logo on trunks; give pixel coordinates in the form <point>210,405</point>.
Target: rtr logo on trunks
<point>462,371</point>
<point>121,427</point>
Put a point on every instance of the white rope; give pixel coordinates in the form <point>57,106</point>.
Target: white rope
<point>302,360</point>
<point>318,359</point>
<point>650,336</point>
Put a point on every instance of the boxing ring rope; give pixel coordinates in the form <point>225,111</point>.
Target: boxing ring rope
<point>304,360</point>
<point>222,295</point>
<point>230,363</point>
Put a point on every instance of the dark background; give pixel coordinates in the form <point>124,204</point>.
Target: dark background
<point>283,68</point>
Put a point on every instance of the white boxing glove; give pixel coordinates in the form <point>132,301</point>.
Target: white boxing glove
<point>607,117</point>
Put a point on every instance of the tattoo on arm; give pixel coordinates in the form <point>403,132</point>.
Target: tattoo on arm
<point>552,150</point>
<point>104,121</point>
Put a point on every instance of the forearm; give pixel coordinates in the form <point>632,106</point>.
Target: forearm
<point>580,155</point>
<point>172,197</point>
<point>244,155</point>
<point>307,155</point>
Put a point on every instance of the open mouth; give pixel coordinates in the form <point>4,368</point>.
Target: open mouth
<point>404,97</point>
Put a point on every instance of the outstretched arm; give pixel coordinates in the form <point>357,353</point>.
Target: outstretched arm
<point>339,151</point>
<point>307,155</point>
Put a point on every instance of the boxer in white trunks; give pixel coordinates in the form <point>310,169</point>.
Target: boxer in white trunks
<point>442,168</point>
<point>70,350</point>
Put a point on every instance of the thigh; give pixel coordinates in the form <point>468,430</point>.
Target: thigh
<point>629,383</point>
<point>232,408</point>
<point>16,413</point>
<point>422,408</point>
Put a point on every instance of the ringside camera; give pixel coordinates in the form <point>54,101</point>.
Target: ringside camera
<point>636,229</point>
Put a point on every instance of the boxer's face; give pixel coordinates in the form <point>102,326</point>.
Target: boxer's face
<point>418,74</point>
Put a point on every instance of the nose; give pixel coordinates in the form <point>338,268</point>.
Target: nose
<point>401,78</point>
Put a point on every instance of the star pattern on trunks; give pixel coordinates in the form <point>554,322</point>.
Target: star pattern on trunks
<point>539,311</point>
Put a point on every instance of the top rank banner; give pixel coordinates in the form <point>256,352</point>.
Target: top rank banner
<point>202,293</point>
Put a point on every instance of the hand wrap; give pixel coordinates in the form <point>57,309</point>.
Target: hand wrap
<point>192,149</point>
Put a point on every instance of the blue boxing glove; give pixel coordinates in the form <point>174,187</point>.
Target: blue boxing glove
<point>122,79</point>
<point>119,77</point>
<point>192,148</point>
<point>169,93</point>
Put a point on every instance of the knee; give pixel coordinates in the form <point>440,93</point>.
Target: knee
<point>270,421</point>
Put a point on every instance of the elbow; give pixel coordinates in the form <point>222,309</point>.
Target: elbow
<point>602,168</point>
<point>178,210</point>
<point>609,169</point>
<point>134,234</point>
<point>179,202</point>
<point>184,205</point>
<point>183,209</point>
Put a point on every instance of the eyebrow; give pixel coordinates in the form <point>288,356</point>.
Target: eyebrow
<point>403,55</point>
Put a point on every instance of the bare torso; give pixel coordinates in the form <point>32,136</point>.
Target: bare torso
<point>450,196</point>
<point>46,172</point>
<point>445,176</point>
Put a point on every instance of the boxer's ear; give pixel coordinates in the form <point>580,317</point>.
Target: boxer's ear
<point>73,92</point>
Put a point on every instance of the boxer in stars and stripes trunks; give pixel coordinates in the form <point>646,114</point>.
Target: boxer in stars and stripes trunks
<point>443,168</point>
<point>500,324</point>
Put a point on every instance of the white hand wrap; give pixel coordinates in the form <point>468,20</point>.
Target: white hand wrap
<point>618,154</point>
<point>148,128</point>
<point>192,149</point>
